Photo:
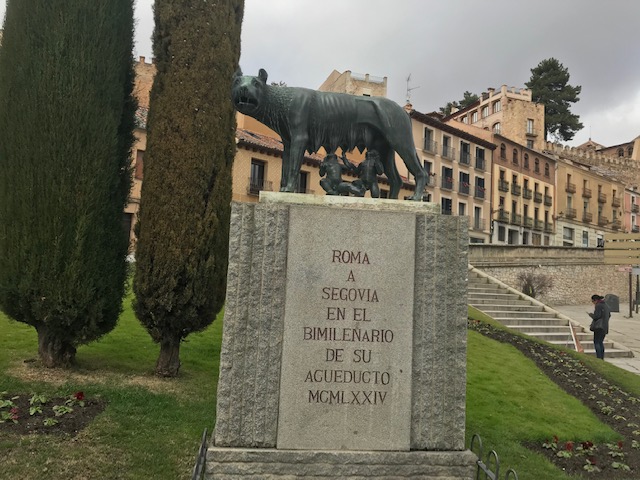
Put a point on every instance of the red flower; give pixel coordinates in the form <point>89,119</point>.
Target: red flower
<point>592,460</point>
<point>620,444</point>
<point>79,396</point>
<point>587,445</point>
<point>568,446</point>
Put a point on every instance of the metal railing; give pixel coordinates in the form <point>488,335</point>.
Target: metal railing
<point>448,152</point>
<point>492,462</point>
<point>201,459</point>
<point>257,184</point>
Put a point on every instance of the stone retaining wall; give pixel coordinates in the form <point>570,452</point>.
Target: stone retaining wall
<point>576,273</point>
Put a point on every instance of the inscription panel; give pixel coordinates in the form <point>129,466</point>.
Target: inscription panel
<point>347,346</point>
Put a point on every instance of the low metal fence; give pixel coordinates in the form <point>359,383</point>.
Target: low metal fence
<point>491,462</point>
<point>201,459</point>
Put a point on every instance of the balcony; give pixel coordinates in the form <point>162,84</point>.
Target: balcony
<point>258,184</point>
<point>586,192</point>
<point>503,216</point>
<point>527,193</point>
<point>537,197</point>
<point>570,213</point>
<point>503,185</point>
<point>429,146</point>
<point>548,227</point>
<point>587,217</point>
<point>448,152</point>
<point>615,202</point>
<point>548,200</point>
<point>431,180</point>
<point>602,198</point>
<point>480,163</point>
<point>602,221</point>
<point>478,224</point>
<point>635,228</point>
<point>528,222</point>
<point>516,189</point>
<point>538,225</point>
<point>516,219</point>
<point>479,192</point>
<point>465,158</point>
<point>570,188</point>
<point>635,208</point>
<point>616,224</point>
<point>463,188</point>
<point>447,183</point>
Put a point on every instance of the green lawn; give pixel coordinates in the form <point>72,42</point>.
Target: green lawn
<point>152,427</point>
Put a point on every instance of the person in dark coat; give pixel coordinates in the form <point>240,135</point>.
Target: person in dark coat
<point>600,324</point>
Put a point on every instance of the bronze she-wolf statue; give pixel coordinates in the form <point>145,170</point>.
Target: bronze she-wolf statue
<point>307,119</point>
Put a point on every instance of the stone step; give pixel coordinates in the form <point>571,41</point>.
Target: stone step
<point>508,307</point>
<point>552,337</point>
<point>536,329</point>
<point>531,321</point>
<point>491,299</point>
<point>505,297</point>
<point>497,314</point>
<point>610,352</point>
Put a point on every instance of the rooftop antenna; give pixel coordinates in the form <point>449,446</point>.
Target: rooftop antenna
<point>409,89</point>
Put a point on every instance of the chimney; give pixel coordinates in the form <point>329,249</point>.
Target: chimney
<point>141,59</point>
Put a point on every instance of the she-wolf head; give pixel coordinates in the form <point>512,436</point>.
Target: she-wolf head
<point>248,92</point>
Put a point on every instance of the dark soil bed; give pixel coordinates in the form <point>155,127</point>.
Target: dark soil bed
<point>77,414</point>
<point>611,404</point>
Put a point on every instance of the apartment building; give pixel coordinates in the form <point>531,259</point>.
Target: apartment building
<point>631,210</point>
<point>590,205</point>
<point>459,168</point>
<point>509,112</point>
<point>523,194</point>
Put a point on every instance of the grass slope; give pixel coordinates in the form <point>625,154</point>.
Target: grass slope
<point>151,427</point>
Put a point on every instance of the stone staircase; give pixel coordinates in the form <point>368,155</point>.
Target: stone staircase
<point>521,313</point>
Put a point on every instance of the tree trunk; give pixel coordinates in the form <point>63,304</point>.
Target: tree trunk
<point>53,350</point>
<point>168,362</point>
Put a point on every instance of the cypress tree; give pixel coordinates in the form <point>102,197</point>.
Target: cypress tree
<point>66,123</point>
<point>181,257</point>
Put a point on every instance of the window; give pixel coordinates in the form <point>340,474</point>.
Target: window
<point>536,165</point>
<point>138,174</point>
<point>526,161</point>
<point>465,119</point>
<point>429,144</point>
<point>447,151</point>
<point>546,169</point>
<point>496,128</point>
<point>256,182</point>
<point>477,217</point>
<point>515,156</point>
<point>567,234</point>
<point>480,158</point>
<point>462,209</point>
<point>428,166</point>
<point>446,206</point>
<point>585,238</point>
<point>464,186</point>
<point>465,153</point>
<point>529,126</point>
<point>503,150</point>
<point>497,106</point>
<point>630,151</point>
<point>303,182</point>
<point>447,178</point>
<point>529,143</point>
<point>621,152</point>
<point>501,234</point>
<point>485,111</point>
<point>385,194</point>
<point>474,117</point>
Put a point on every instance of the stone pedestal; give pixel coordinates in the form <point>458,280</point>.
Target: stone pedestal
<point>344,346</point>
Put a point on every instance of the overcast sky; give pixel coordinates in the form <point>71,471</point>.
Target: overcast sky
<point>449,47</point>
